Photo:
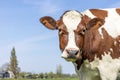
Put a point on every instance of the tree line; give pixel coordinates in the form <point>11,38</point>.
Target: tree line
<point>15,69</point>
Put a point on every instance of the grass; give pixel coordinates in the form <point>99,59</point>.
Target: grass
<point>45,79</point>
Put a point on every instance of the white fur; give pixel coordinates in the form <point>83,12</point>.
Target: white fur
<point>87,12</point>
<point>105,69</point>
<point>71,20</point>
<point>100,31</point>
<point>111,49</point>
<point>115,43</point>
<point>112,22</point>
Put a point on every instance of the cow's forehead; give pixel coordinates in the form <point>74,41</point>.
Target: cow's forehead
<point>71,19</point>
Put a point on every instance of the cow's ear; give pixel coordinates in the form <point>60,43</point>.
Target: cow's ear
<point>49,22</point>
<point>95,23</point>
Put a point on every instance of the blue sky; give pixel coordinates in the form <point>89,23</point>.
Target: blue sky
<point>37,48</point>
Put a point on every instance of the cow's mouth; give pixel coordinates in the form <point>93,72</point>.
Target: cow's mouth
<point>70,59</point>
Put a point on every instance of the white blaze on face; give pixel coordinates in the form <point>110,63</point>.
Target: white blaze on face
<point>71,20</point>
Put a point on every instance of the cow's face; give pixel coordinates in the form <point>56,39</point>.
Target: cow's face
<point>71,32</point>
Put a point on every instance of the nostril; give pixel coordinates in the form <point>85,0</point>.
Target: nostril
<point>72,52</point>
<point>76,52</point>
<point>68,51</point>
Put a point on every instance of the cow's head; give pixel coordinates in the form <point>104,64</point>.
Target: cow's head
<point>70,36</point>
<point>71,29</point>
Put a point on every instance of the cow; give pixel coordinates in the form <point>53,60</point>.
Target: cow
<point>90,40</point>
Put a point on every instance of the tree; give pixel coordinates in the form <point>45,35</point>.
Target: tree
<point>14,63</point>
<point>51,74</point>
<point>41,75</point>
<point>5,67</point>
<point>59,71</point>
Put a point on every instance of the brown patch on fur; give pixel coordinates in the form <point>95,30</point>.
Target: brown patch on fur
<point>116,48</point>
<point>63,34</point>
<point>118,10</point>
<point>92,38</point>
<point>79,39</point>
<point>79,62</point>
<point>79,32</point>
<point>108,43</point>
<point>94,44</point>
<point>99,13</point>
<point>85,20</point>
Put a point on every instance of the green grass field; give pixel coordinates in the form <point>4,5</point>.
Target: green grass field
<point>45,79</point>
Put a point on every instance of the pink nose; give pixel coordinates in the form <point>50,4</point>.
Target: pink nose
<point>72,52</point>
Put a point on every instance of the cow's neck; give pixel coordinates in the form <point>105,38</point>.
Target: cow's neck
<point>94,70</point>
<point>95,45</point>
<point>99,46</point>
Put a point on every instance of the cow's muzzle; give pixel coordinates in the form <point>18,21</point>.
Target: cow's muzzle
<point>71,54</point>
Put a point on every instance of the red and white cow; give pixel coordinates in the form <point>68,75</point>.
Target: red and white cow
<point>91,40</point>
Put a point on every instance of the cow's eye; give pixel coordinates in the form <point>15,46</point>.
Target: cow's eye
<point>61,32</point>
<point>82,32</point>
